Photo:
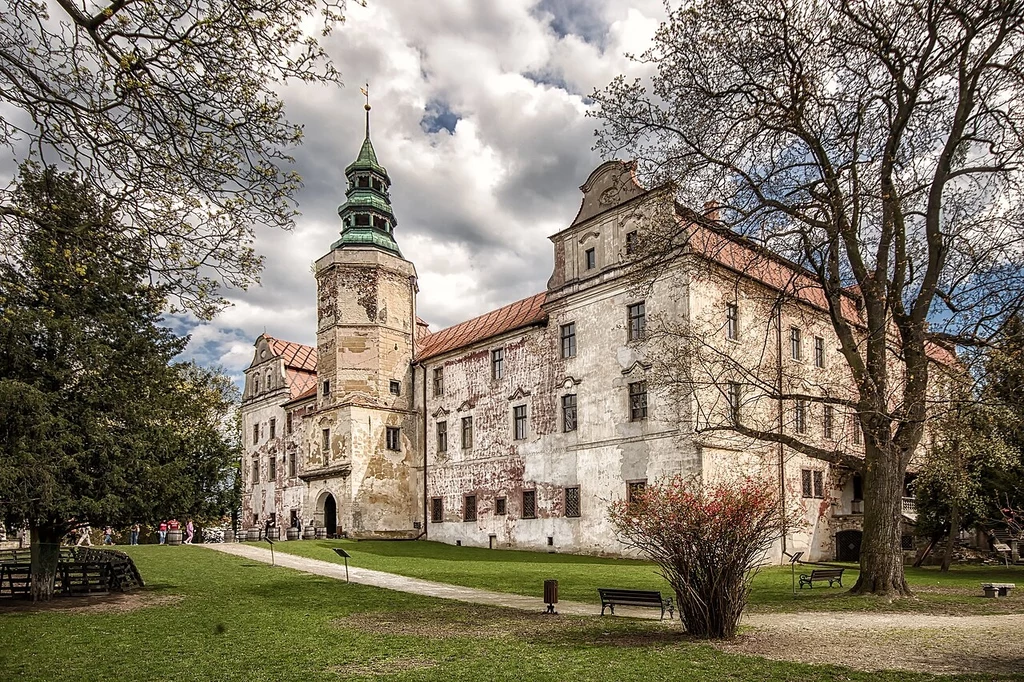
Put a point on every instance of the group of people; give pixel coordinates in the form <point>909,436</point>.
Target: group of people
<point>174,524</point>
<point>85,533</point>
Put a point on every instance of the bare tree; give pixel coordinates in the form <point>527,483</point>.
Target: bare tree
<point>172,110</point>
<point>878,145</point>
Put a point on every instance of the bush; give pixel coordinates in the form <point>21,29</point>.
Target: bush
<point>708,540</point>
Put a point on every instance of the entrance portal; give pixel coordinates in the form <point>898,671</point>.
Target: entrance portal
<point>848,545</point>
<point>330,515</point>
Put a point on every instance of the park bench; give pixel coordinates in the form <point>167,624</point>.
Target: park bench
<point>610,598</point>
<point>998,589</point>
<point>832,575</point>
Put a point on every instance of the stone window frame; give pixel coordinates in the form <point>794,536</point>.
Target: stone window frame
<point>469,508</point>
<point>732,321</point>
<point>289,425</point>
<point>634,486</point>
<point>436,509</point>
<point>393,438</point>
<point>325,387</point>
<point>567,339</point>
<point>255,471</point>
<point>529,508</point>
<point>819,352</point>
<point>272,469</point>
<point>500,506</point>
<point>812,484</point>
<point>590,258</point>
<point>828,422</point>
<point>293,467</point>
<point>325,440</point>
<point>638,411</point>
<point>441,432</point>
<point>734,399</point>
<point>497,363</point>
<point>568,427</point>
<point>800,417</point>
<point>636,321</point>
<point>467,427</point>
<point>395,387</point>
<point>573,507</point>
<point>632,240</point>
<point>796,350</point>
<point>520,418</point>
<point>438,382</point>
<point>256,433</point>
<point>273,428</point>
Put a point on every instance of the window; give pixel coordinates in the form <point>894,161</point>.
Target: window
<point>572,502</point>
<point>500,506</point>
<point>288,423</point>
<point>794,343</point>
<point>256,385</point>
<point>291,465</point>
<point>395,387</point>
<point>800,416</point>
<point>734,402</point>
<point>813,483</point>
<point>631,243</point>
<point>436,510</point>
<point>394,440</point>
<point>591,259</point>
<point>467,433</point>
<point>633,489</point>
<point>325,439</point>
<point>272,470</point>
<point>819,351</point>
<point>529,504</point>
<point>469,508</point>
<point>255,433</point>
<point>568,333</point>
<point>638,401</point>
<point>568,413</point>
<point>827,421</point>
<point>363,181</point>
<point>498,363</point>
<point>327,387</point>
<point>519,422</point>
<point>856,430</point>
<point>362,220</point>
<point>273,428</point>
<point>637,321</point>
<point>442,436</point>
<point>439,381</point>
<point>732,319</point>
<point>255,471</point>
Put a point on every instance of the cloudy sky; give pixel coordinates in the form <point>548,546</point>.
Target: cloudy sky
<point>479,115</point>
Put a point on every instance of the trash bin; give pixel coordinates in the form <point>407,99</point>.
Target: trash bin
<point>551,594</point>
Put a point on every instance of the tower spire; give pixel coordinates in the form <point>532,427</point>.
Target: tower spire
<point>366,92</point>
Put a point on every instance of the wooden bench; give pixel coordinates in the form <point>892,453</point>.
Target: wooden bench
<point>610,598</point>
<point>998,589</point>
<point>832,575</point>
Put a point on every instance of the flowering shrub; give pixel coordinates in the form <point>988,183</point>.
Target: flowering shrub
<point>708,540</point>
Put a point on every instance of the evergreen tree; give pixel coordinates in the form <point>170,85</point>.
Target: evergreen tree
<point>98,427</point>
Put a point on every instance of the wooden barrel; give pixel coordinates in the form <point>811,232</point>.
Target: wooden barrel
<point>174,537</point>
<point>292,534</point>
<point>308,533</point>
<point>321,533</point>
<point>229,535</point>
<point>252,535</point>
<point>274,533</point>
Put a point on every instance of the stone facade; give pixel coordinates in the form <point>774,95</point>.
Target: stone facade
<point>520,427</point>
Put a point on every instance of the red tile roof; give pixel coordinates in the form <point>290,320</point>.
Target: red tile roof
<point>300,382</point>
<point>308,393</point>
<point>296,355</point>
<point>513,316</point>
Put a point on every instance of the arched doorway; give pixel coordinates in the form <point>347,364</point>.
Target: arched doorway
<point>330,515</point>
<point>848,545</point>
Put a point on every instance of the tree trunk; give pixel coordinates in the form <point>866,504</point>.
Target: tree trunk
<point>881,551</point>
<point>954,532</point>
<point>45,554</point>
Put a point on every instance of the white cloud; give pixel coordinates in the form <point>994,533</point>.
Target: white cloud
<point>475,203</point>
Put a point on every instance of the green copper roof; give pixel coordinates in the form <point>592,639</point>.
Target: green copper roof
<point>367,236</point>
<point>367,204</point>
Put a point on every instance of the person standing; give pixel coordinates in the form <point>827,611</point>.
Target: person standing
<point>83,537</point>
<point>108,535</point>
<point>162,532</point>
<point>135,534</point>
<point>190,531</point>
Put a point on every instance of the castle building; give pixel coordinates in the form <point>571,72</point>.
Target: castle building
<point>520,427</point>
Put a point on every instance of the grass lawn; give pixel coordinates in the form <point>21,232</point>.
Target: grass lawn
<point>209,616</point>
<point>579,577</point>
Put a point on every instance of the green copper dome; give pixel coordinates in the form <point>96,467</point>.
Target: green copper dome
<point>366,216</point>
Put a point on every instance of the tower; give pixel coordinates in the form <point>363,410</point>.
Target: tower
<point>362,440</point>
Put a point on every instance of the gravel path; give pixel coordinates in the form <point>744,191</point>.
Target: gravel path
<point>867,641</point>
